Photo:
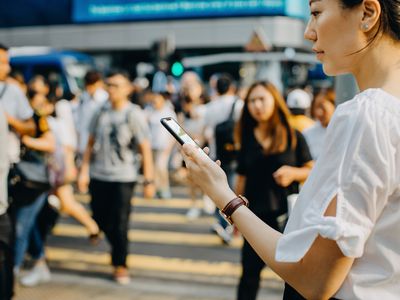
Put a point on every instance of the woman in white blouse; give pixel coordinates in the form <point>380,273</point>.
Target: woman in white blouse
<point>342,239</point>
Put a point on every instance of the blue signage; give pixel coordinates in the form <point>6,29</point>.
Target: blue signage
<point>87,11</point>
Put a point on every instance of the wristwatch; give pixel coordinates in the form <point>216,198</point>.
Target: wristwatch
<point>232,206</point>
<point>147,182</point>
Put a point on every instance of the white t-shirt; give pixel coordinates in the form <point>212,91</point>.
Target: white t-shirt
<point>315,137</point>
<point>360,164</point>
<point>217,111</point>
<point>16,105</point>
<point>64,116</point>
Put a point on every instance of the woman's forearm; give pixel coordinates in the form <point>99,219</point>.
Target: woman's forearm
<point>317,276</point>
<point>45,143</point>
<point>302,173</point>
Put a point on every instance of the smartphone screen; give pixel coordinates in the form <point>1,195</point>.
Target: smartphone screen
<point>178,132</point>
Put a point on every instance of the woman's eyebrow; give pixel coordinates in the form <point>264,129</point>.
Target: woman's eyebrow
<point>312,1</point>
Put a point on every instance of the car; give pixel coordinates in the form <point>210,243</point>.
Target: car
<point>65,66</point>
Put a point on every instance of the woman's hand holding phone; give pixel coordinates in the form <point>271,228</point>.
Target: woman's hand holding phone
<point>202,170</point>
<point>208,175</point>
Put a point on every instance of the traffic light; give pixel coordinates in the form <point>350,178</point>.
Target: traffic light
<point>177,68</point>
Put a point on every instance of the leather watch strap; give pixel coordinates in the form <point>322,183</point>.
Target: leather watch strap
<point>232,206</point>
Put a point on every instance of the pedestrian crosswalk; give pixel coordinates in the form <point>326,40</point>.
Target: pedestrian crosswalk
<point>162,237</point>
<point>162,241</point>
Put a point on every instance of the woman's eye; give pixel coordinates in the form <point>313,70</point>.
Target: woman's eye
<point>315,13</point>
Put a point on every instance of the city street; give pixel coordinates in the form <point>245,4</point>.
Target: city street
<point>170,258</point>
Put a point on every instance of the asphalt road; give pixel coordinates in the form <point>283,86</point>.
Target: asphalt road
<point>170,257</point>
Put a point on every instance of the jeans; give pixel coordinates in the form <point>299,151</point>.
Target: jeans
<point>111,207</point>
<point>26,227</point>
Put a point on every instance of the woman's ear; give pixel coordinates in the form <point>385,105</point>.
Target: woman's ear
<point>371,14</point>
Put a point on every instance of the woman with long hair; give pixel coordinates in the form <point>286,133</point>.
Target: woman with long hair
<point>341,239</point>
<point>273,159</point>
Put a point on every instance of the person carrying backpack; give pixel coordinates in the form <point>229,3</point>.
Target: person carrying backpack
<point>117,132</point>
<point>220,116</point>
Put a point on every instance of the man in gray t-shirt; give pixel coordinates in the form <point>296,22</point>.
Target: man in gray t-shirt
<point>117,130</point>
<point>16,107</point>
<point>116,133</point>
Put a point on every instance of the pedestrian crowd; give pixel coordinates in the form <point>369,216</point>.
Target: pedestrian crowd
<point>108,140</point>
<point>334,170</point>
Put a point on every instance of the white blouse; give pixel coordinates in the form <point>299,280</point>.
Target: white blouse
<point>315,137</point>
<point>360,164</point>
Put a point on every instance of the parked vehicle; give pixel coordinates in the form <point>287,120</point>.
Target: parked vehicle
<point>67,67</point>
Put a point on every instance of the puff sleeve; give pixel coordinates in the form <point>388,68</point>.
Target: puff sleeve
<point>356,165</point>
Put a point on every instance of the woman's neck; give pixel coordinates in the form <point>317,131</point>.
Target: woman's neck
<point>263,126</point>
<point>380,67</point>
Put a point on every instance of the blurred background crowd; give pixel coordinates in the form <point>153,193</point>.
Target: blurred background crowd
<point>87,119</point>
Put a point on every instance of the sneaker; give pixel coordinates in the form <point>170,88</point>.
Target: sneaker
<point>40,273</point>
<point>121,276</point>
<point>54,202</point>
<point>193,213</point>
<point>225,236</point>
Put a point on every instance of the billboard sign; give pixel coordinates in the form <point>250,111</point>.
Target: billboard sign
<point>88,11</point>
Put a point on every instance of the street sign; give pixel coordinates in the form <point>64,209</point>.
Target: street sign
<point>258,42</point>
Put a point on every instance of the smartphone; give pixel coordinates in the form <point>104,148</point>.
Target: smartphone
<point>178,132</point>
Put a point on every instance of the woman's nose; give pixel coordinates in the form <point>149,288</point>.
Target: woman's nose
<point>258,104</point>
<point>309,33</point>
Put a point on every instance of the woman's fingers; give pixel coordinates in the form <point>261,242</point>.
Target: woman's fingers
<point>189,150</point>
<point>206,150</point>
<point>194,153</point>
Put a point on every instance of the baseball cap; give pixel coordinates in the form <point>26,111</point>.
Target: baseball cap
<point>298,99</point>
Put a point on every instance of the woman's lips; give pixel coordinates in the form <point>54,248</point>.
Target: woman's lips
<point>318,53</point>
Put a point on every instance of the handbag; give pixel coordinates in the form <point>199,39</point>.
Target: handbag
<point>26,181</point>
<point>61,167</point>
<point>224,138</point>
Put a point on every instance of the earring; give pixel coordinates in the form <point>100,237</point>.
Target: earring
<point>365,26</point>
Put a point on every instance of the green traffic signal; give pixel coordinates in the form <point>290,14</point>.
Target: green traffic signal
<point>177,69</point>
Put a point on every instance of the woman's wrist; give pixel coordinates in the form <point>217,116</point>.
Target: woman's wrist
<point>232,206</point>
<point>223,198</point>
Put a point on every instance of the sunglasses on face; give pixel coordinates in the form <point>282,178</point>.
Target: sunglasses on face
<point>113,85</point>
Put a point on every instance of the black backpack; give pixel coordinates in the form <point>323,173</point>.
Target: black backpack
<point>224,138</point>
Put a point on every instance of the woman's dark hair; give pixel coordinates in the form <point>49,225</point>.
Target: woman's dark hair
<point>390,16</point>
<point>280,131</point>
<point>329,94</point>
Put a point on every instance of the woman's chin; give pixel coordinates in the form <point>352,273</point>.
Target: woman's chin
<point>328,70</point>
<point>331,70</point>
